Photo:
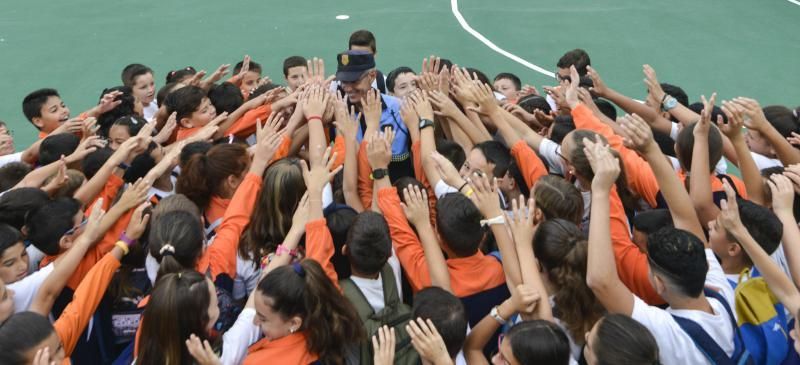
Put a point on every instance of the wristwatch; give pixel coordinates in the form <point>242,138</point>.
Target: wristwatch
<point>378,174</point>
<point>669,103</point>
<point>425,123</point>
<point>496,316</point>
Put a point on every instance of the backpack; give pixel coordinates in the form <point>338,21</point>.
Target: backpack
<point>762,320</point>
<point>706,344</point>
<point>395,314</point>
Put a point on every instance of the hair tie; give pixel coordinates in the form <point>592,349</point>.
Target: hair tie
<point>299,269</point>
<point>167,250</point>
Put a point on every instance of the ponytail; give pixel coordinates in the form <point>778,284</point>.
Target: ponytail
<point>176,241</point>
<point>330,321</point>
<point>204,174</point>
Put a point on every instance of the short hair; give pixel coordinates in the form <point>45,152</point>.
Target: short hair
<point>650,221</point>
<point>530,103</point>
<point>9,237</point>
<point>392,76</point>
<point>92,163</point>
<point>762,224</point>
<point>48,223</point>
<point>685,147</point>
<point>339,218</point>
<point>263,89</point>
<point>254,66</point>
<point>12,173</point>
<point>782,118</point>
<point>165,90</point>
<point>132,71</point>
<point>446,312</point>
<point>226,97</point>
<point>606,108</point>
<point>293,61</point>
<point>363,38</point>
<point>680,257</point>
<point>576,57</point>
<point>562,126</point>
<point>184,101</point>
<point>497,154</point>
<point>479,74</point>
<point>369,244</point>
<point>16,205</point>
<point>676,92</point>
<point>21,333</point>
<point>509,76</point>
<point>452,151</point>
<point>57,145</point>
<point>32,103</point>
<point>458,221</point>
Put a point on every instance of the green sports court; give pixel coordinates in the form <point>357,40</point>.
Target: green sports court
<point>735,47</point>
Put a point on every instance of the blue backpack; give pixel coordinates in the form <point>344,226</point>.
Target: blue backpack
<point>762,320</point>
<point>703,341</point>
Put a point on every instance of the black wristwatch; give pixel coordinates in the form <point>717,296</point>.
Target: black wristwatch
<point>425,123</point>
<point>378,174</point>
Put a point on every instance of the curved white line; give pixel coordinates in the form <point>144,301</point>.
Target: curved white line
<point>494,47</point>
<point>794,2</point>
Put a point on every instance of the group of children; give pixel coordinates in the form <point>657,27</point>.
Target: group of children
<point>435,217</point>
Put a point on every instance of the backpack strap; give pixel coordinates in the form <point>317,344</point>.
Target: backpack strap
<point>391,297</point>
<point>707,345</point>
<point>351,292</point>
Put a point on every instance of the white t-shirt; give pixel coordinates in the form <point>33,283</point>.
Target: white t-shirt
<point>763,162</point>
<point>675,346</point>
<point>239,337</point>
<point>7,159</point>
<point>150,111</point>
<point>25,290</point>
<point>373,288</point>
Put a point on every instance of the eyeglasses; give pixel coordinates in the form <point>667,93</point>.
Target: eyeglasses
<point>72,230</point>
<point>560,78</point>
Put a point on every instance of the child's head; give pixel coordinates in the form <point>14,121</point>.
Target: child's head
<point>452,151</point>
<point>678,265</point>
<point>530,103</point>
<point>646,223</point>
<point>15,205</point>
<point>140,79</point>
<point>339,218</point>
<point>225,97</point>
<point>534,342</point>
<point>363,40</point>
<point>557,198</point>
<point>576,57</point>
<point>368,244</point>
<point>458,222</point>
<point>760,222</point>
<point>782,119</point>
<point>124,128</point>
<point>13,256</point>
<point>301,298</point>
<point>507,84</point>
<point>684,146</point>
<point>401,82</point>
<point>128,107</point>
<point>561,127</point>
<point>295,71</point>
<point>12,173</point>
<point>446,312</point>
<point>25,333</point>
<point>250,79</point>
<point>176,241</point>
<point>215,173</point>
<point>620,339</point>
<point>281,191</point>
<point>75,180</point>
<point>191,105</point>
<point>57,145</point>
<point>165,90</point>
<point>45,109</point>
<point>561,250</point>
<point>490,158</point>
<point>54,226</point>
<point>180,305</point>
<point>181,75</point>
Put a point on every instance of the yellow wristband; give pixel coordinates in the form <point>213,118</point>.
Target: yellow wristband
<point>469,193</point>
<point>123,246</point>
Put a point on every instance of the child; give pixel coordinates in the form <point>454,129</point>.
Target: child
<point>509,85</point>
<point>295,72</point>
<point>140,79</point>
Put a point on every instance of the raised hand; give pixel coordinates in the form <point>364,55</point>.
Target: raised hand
<point>525,299</point>
<point>138,222</point>
<point>237,79</point>
<point>446,170</point>
<point>372,108</point>
<point>207,131</point>
<point>316,72</point>
<point>268,138</point>
<point>782,191</point>
<point>653,86</point>
<point>704,124</point>
<point>320,172</point>
<point>636,134</point>
<point>520,222</point>
<point>528,90</point>
<point>416,205</point>
<point>604,165</point>
<point>58,180</point>
<point>443,105</point>
<point>428,342</point>
<point>485,196</point>
<point>735,114</point>
<point>42,357</point>
<point>484,96</point>
<point>383,346</point>
<point>202,352</point>
<point>729,210</point>
<point>379,150</point>
<point>300,216</point>
<point>422,105</point>
<point>134,195</point>
<point>73,125</point>
<point>571,87</point>
<point>166,131</point>
<point>93,230</point>
<point>408,112</point>
<point>218,74</point>
<point>756,119</point>
<point>87,146</point>
<point>793,173</point>
<point>314,105</point>
<point>598,86</point>
<point>346,123</point>
<point>108,102</point>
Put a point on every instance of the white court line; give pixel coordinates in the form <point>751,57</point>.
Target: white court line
<point>794,2</point>
<point>494,47</point>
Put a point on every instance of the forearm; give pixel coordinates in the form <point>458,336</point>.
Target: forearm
<point>630,106</point>
<point>684,115</point>
<point>427,147</point>
<point>316,142</point>
<point>680,204</point>
<point>531,277</point>
<point>700,181</point>
<point>601,267</point>
<point>31,154</point>
<point>751,175</point>
<point>299,139</point>
<point>64,266</point>
<point>350,177</point>
<point>480,335</point>
<point>477,124</point>
<point>467,124</point>
<point>791,243</point>
<point>785,151</point>
<point>88,191</point>
<point>437,265</point>
<point>459,136</point>
<point>511,264</point>
<point>508,133</point>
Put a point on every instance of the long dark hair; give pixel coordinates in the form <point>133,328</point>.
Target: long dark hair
<point>561,249</point>
<point>282,190</point>
<point>204,174</point>
<point>178,307</point>
<point>623,340</point>
<point>184,233</point>
<point>579,160</point>
<point>329,320</point>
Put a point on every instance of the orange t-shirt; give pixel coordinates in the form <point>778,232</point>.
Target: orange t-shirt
<point>292,349</point>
